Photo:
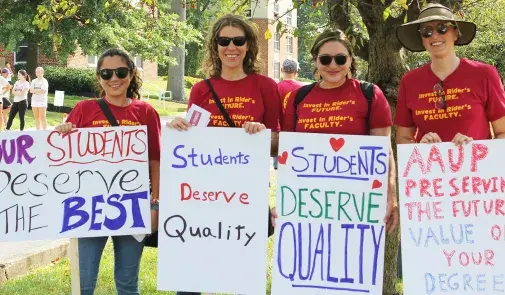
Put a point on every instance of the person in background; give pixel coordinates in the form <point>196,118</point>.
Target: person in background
<point>20,91</point>
<point>117,75</point>
<point>5,96</point>
<point>450,99</point>
<point>39,89</point>
<point>231,61</point>
<point>289,83</point>
<point>9,75</point>
<point>4,90</point>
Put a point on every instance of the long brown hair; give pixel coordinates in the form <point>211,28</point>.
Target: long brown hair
<point>329,36</point>
<point>135,83</point>
<point>211,65</point>
<point>25,74</point>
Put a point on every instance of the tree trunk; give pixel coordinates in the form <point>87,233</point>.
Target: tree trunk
<point>32,58</point>
<point>175,81</point>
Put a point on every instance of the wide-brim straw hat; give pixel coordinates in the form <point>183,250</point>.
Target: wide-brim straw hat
<point>409,36</point>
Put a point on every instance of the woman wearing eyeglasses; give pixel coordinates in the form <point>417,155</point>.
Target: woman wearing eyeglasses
<point>118,79</point>
<point>450,99</point>
<point>338,104</point>
<point>231,61</point>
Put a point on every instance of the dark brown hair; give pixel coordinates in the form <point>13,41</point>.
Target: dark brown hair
<point>211,65</point>
<point>25,74</point>
<point>135,82</point>
<point>329,36</point>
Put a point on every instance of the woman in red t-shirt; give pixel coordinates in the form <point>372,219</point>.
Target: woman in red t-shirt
<point>231,61</point>
<point>335,64</point>
<point>120,84</point>
<point>450,98</point>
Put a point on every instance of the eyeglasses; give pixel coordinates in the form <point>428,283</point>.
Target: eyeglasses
<point>440,101</point>
<point>441,28</point>
<point>325,60</point>
<point>237,41</point>
<point>121,73</point>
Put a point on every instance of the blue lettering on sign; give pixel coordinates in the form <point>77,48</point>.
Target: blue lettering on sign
<point>367,161</point>
<point>191,158</point>
<point>72,209</point>
<point>303,264</point>
<point>463,283</point>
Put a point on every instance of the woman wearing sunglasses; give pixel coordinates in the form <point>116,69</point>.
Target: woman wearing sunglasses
<point>355,114</point>
<point>231,62</point>
<point>450,98</point>
<point>120,84</point>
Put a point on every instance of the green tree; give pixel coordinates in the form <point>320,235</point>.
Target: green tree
<point>57,27</point>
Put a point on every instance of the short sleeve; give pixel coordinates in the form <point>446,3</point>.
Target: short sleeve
<point>380,116</point>
<point>272,103</point>
<point>288,123</point>
<point>495,105</point>
<point>45,84</point>
<point>195,95</point>
<point>75,116</point>
<point>403,115</point>
<point>153,133</point>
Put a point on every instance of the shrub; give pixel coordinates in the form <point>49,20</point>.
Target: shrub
<point>190,81</point>
<point>77,81</point>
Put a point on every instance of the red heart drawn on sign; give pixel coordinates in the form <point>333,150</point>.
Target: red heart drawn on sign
<point>337,144</point>
<point>283,158</point>
<point>376,184</point>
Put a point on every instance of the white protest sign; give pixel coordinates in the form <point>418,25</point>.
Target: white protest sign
<point>331,203</point>
<point>452,210</point>
<point>214,210</point>
<point>59,96</point>
<point>91,182</point>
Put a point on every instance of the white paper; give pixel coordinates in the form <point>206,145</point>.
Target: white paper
<point>198,116</point>
<point>59,96</point>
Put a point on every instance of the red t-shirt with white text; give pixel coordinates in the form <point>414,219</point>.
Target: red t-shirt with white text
<point>285,87</point>
<point>252,99</point>
<point>341,110</point>
<point>474,97</point>
<point>87,113</point>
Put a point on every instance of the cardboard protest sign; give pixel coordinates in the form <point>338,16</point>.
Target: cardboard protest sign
<point>90,182</point>
<point>452,214</point>
<point>213,211</point>
<point>331,203</point>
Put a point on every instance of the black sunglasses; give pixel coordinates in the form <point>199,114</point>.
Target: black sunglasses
<point>441,28</point>
<point>121,73</point>
<point>340,59</point>
<point>237,41</point>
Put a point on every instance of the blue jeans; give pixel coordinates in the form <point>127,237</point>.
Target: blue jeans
<point>127,254</point>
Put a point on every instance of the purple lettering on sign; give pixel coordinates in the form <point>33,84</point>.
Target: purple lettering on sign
<point>11,148</point>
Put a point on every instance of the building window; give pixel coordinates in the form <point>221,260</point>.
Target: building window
<point>92,59</point>
<point>277,45</point>
<point>277,70</point>
<point>276,8</point>
<point>289,18</point>
<point>21,54</point>
<point>138,62</point>
<point>290,44</point>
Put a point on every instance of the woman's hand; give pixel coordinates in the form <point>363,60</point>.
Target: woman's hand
<point>253,127</point>
<point>64,128</point>
<point>460,139</point>
<point>430,137</point>
<point>274,215</point>
<point>179,124</point>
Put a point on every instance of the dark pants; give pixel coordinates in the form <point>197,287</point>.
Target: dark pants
<point>187,293</point>
<point>20,107</point>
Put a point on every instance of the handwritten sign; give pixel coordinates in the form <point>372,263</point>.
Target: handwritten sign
<point>59,96</point>
<point>214,211</point>
<point>91,182</point>
<point>331,202</point>
<point>452,216</point>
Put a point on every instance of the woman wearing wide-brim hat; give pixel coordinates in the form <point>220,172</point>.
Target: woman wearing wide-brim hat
<point>450,98</point>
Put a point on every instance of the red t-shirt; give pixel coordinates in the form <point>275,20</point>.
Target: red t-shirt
<point>285,87</point>
<point>252,99</point>
<point>87,113</point>
<point>474,97</point>
<point>341,110</point>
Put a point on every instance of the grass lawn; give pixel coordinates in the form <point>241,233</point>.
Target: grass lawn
<point>56,279</point>
<point>53,119</point>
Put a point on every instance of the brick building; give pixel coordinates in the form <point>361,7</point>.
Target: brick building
<point>282,45</point>
<point>78,60</point>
